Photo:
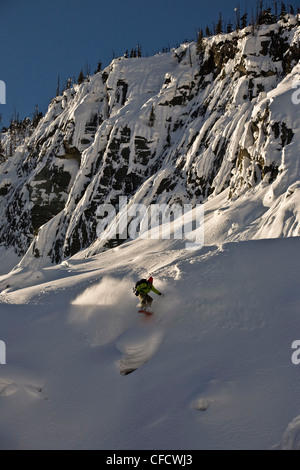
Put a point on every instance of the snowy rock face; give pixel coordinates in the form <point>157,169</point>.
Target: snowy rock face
<point>180,127</point>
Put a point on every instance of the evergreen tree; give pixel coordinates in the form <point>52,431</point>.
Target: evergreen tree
<point>199,43</point>
<point>244,20</point>
<point>99,67</point>
<point>58,85</point>
<point>139,50</point>
<point>253,24</point>
<point>68,83</point>
<point>275,3</point>
<point>190,58</point>
<point>2,152</point>
<point>292,11</point>
<point>283,11</point>
<point>208,31</point>
<point>11,150</point>
<point>219,27</point>
<point>151,117</point>
<point>229,28</point>
<point>266,17</point>
<point>81,77</point>
<point>259,9</point>
<point>134,53</point>
<point>37,116</point>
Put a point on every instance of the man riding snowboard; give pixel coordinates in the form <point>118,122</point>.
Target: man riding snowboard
<point>142,289</point>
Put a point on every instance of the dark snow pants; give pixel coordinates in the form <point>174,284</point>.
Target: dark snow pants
<point>145,299</point>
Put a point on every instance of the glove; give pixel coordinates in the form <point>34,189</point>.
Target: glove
<point>135,292</point>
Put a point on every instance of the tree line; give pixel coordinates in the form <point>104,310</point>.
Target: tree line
<point>263,15</point>
<point>19,129</point>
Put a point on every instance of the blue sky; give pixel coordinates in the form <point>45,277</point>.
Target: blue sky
<point>44,39</point>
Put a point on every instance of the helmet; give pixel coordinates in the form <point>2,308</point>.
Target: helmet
<point>150,280</point>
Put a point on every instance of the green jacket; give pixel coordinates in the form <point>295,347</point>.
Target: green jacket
<point>146,287</point>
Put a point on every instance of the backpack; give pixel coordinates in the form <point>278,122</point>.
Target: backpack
<point>142,281</point>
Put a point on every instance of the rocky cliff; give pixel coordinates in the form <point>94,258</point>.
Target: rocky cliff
<point>184,126</point>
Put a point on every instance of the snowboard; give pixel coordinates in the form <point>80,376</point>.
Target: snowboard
<point>146,312</point>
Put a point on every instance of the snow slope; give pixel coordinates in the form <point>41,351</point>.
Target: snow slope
<point>217,370</point>
<point>214,366</point>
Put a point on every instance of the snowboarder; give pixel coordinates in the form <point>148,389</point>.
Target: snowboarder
<point>142,289</point>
